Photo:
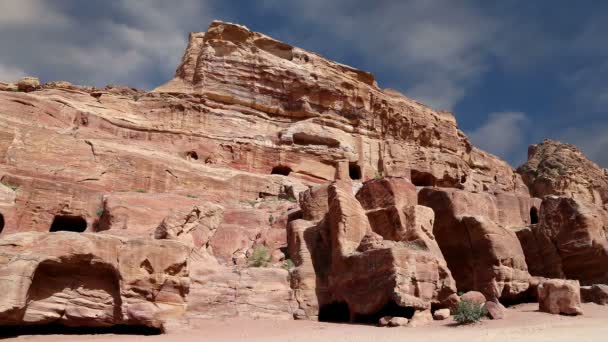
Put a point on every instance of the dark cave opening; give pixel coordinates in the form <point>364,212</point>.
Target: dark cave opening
<point>68,223</point>
<point>60,329</point>
<point>390,309</point>
<point>1,223</point>
<point>337,312</point>
<point>281,170</point>
<point>533,215</point>
<point>420,178</point>
<point>354,171</point>
<point>191,155</point>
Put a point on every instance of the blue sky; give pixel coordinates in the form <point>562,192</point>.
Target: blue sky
<point>512,71</point>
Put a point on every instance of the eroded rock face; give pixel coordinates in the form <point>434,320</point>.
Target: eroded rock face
<point>554,168</point>
<point>343,259</point>
<point>597,293</point>
<point>92,280</point>
<point>482,255</point>
<point>570,241</point>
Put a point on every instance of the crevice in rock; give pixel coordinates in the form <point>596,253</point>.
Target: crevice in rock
<point>420,178</point>
<point>390,309</point>
<point>336,312</point>
<point>533,215</point>
<point>1,223</point>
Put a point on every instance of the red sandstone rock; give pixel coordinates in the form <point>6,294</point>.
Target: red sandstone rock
<point>474,296</point>
<point>569,241</point>
<point>558,296</point>
<point>91,280</point>
<point>560,169</point>
<point>495,310</point>
<point>482,255</point>
<point>597,293</point>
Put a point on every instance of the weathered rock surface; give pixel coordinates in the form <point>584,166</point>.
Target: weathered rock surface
<point>343,259</point>
<point>441,314</point>
<point>91,280</point>
<point>257,143</point>
<point>559,296</point>
<point>554,168</point>
<point>597,294</point>
<point>495,310</point>
<point>482,255</point>
<point>570,241</point>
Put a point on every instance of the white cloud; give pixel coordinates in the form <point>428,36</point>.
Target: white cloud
<point>503,134</point>
<point>10,74</point>
<point>122,42</point>
<point>437,50</point>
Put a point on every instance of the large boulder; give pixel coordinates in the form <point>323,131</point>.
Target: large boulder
<point>482,255</point>
<point>559,296</point>
<point>342,259</point>
<point>91,280</point>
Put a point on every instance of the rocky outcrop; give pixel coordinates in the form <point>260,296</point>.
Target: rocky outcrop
<point>354,256</point>
<point>482,255</point>
<point>554,168</point>
<point>91,280</point>
<point>381,202</point>
<point>570,241</point>
<point>558,296</point>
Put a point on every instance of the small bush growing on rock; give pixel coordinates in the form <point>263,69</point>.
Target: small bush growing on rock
<point>141,191</point>
<point>288,264</point>
<point>468,312</point>
<point>260,257</point>
<point>99,211</point>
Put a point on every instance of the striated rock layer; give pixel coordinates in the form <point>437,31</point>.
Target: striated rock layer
<point>360,202</point>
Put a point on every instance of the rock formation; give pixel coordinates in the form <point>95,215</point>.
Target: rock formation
<point>91,279</point>
<point>381,203</point>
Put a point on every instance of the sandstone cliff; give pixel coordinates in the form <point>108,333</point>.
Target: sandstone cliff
<point>260,150</point>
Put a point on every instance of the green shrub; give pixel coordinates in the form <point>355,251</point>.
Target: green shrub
<point>468,312</point>
<point>260,257</point>
<point>99,211</point>
<point>191,196</point>
<point>143,191</point>
<point>288,264</point>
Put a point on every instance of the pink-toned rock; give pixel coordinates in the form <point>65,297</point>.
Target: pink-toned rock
<point>398,322</point>
<point>28,84</point>
<point>569,241</point>
<point>420,318</point>
<point>559,296</point>
<point>554,168</point>
<point>474,297</point>
<point>92,280</point>
<point>441,314</point>
<point>495,310</point>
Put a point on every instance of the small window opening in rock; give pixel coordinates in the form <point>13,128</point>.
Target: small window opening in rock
<point>59,329</point>
<point>68,223</point>
<point>463,179</point>
<point>354,171</point>
<point>191,155</point>
<point>334,312</point>
<point>420,178</point>
<point>281,170</point>
<point>533,215</point>
<point>1,223</point>
<point>390,309</point>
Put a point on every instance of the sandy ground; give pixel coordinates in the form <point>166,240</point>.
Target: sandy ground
<point>523,323</point>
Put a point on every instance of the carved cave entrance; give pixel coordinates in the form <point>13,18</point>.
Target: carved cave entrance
<point>68,223</point>
<point>337,312</point>
<point>281,170</point>
<point>533,215</point>
<point>354,171</point>
<point>1,223</point>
